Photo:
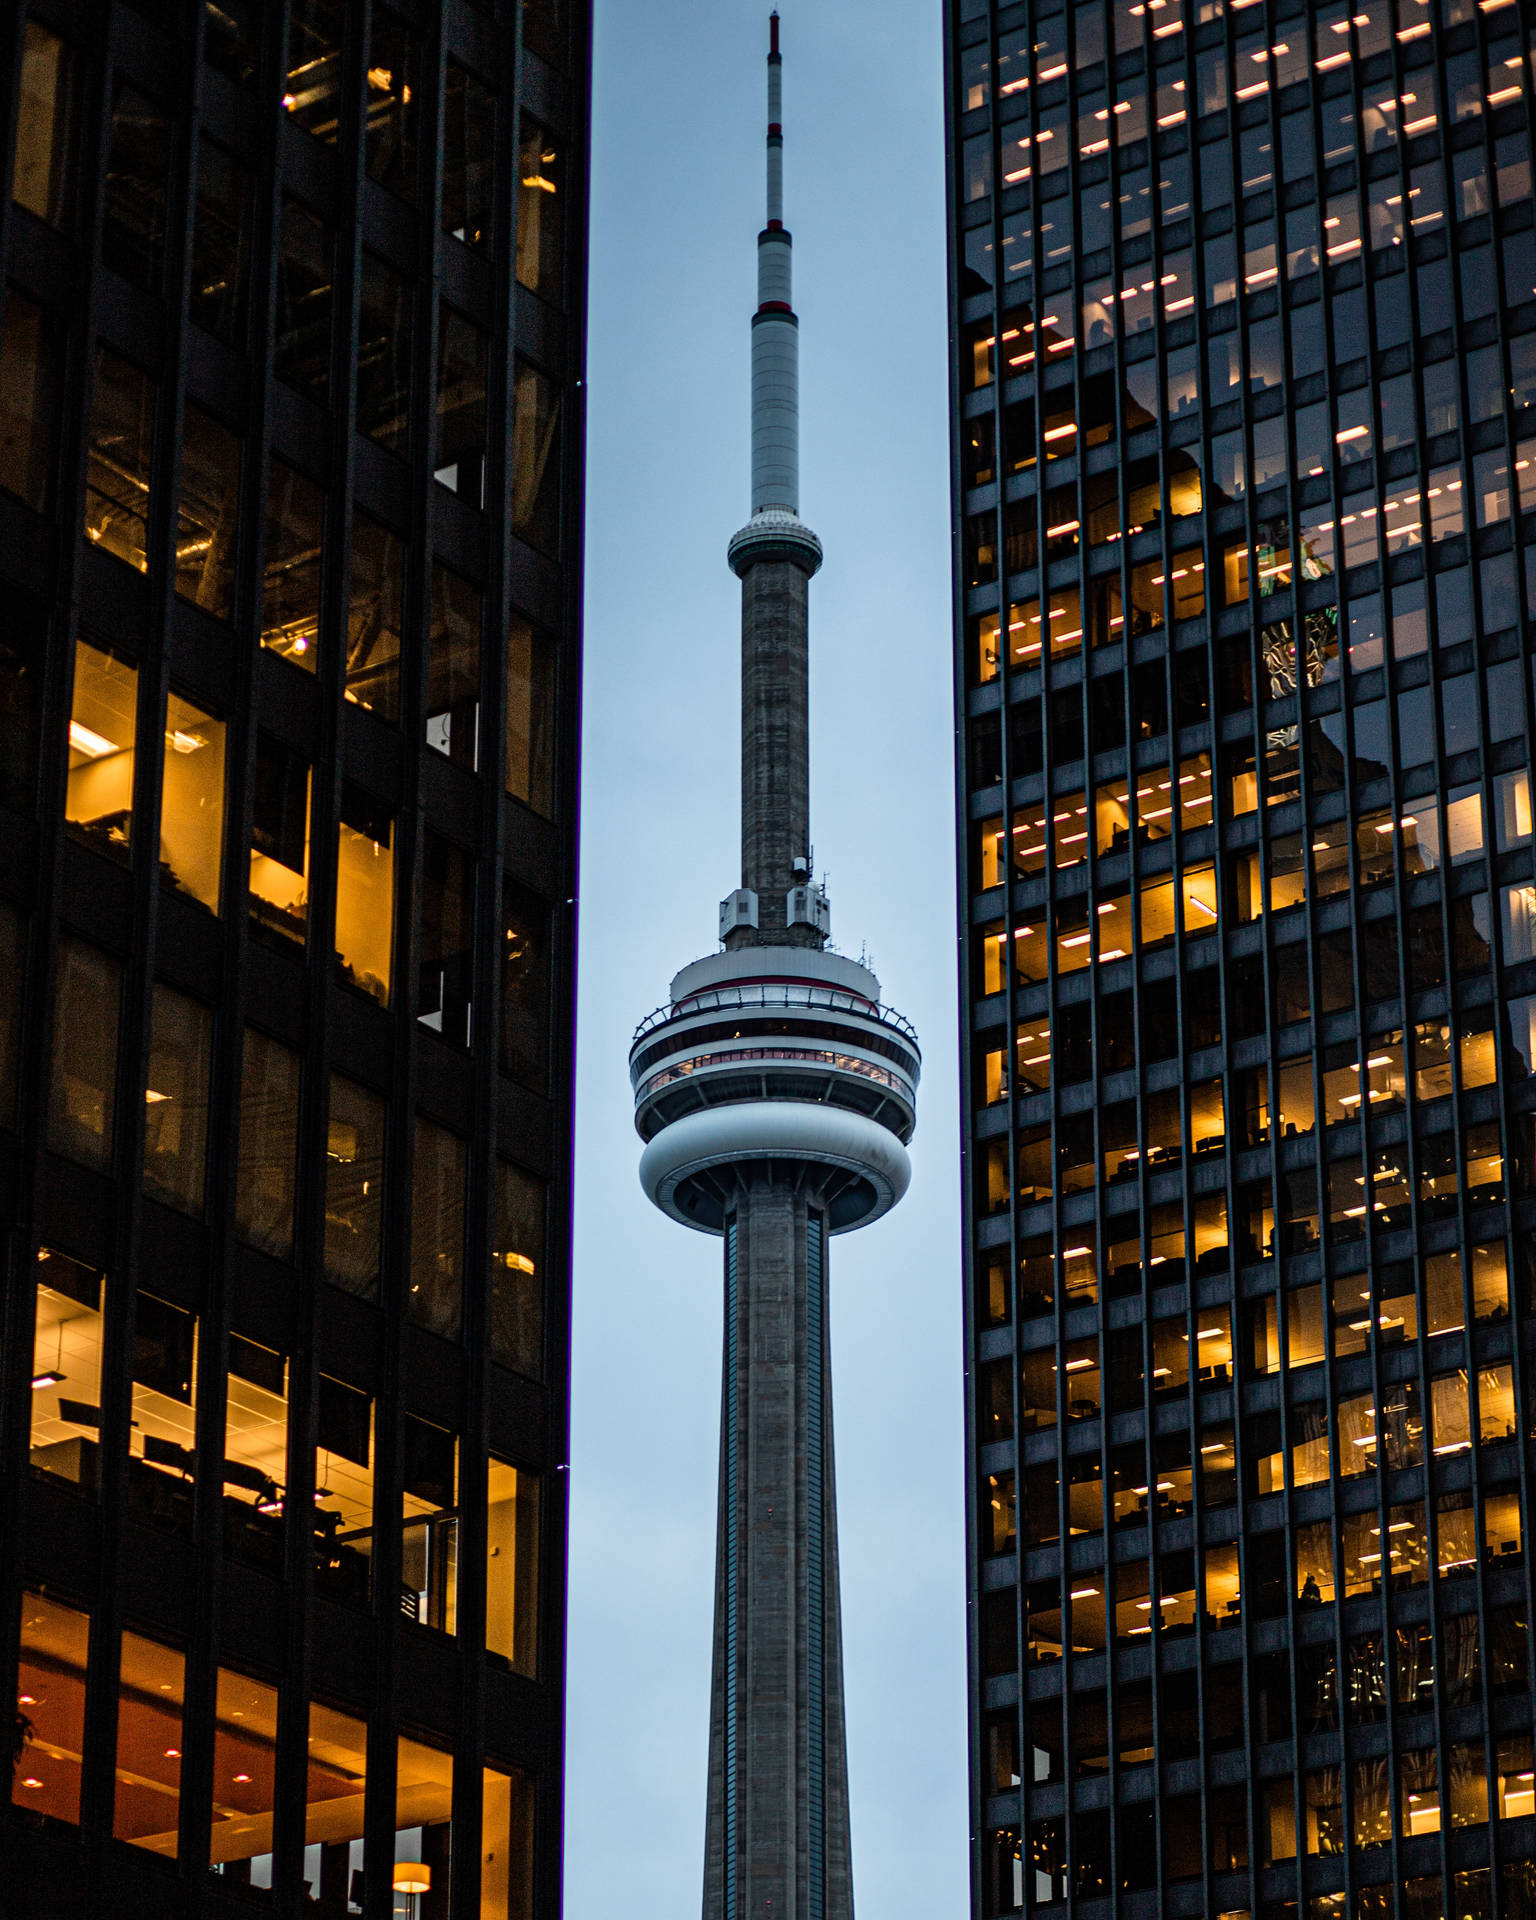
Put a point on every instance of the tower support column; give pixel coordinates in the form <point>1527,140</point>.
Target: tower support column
<point>777,1843</point>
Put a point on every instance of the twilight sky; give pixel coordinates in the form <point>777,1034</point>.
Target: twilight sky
<point>678,115</point>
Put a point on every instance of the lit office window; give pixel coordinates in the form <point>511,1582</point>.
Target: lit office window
<point>512,1565</point>
<point>192,803</point>
<point>103,718</point>
<point>151,1693</point>
<point>244,1784</point>
<point>365,893</point>
<point>50,1704</point>
<point>429,1526</point>
<point>69,1329</point>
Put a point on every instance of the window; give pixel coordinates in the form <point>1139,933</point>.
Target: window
<point>375,613</point>
<point>151,1693</point>
<point>50,1699</point>
<point>384,355</point>
<point>98,798</point>
<point>21,662</point>
<point>393,105</point>
<point>176,1100</point>
<point>453,668</point>
<point>292,576</point>
<point>12,971</point>
<point>439,1174</point>
<point>221,238</point>
<point>365,892</point>
<point>430,1525</point>
<point>530,683</point>
<point>232,38</point>
<point>29,401</point>
<point>540,211</point>
<point>461,427</point>
<point>445,980</point>
<point>82,1099</point>
<point>518,1249</point>
<point>506,1844</point>
<point>535,459</point>
<point>244,1778</point>
<point>301,352</point>
<point>268,1144</point>
<point>133,212</point>
<point>512,1565</point>
<point>423,1830</point>
<point>207,513</point>
<point>65,1442</point>
<point>336,1780</point>
<point>279,870</point>
<point>543,23</point>
<point>192,803</point>
<point>255,1453</point>
<point>354,1187</point>
<point>343,1537</point>
<point>524,1052</point>
<point>45,124</point>
<point>162,1458</point>
<point>469,147</point>
<point>119,441</point>
<point>312,94</point>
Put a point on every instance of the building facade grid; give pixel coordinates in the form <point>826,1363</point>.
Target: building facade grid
<point>291,414</point>
<point>1244,377</point>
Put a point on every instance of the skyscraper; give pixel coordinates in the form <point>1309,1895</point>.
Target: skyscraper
<point>1244,331</point>
<point>290,548</point>
<point>775,1095</point>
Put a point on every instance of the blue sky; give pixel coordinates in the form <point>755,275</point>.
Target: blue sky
<point>677,200</point>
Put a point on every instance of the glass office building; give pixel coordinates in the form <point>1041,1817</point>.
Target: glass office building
<point>290,464</point>
<point>1244,376</point>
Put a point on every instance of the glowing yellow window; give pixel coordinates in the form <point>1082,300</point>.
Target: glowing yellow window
<point>66,1371</point>
<point>192,802</point>
<point>98,801</point>
<point>365,893</point>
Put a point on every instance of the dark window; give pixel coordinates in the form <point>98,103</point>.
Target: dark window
<point>469,143</point>
<point>518,1271</point>
<point>220,243</point>
<point>535,457</point>
<point>302,336</point>
<point>445,983</point>
<point>453,668</point>
<point>45,126</point>
<point>393,105</point>
<point>384,355</point>
<point>461,423</point>
<point>525,987</point>
<point>312,94</point>
<point>540,211</point>
<point>29,401</point>
<point>138,164</point>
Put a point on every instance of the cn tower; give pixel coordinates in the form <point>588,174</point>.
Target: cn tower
<point>775,1096</point>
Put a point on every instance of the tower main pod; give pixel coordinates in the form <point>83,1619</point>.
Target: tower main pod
<point>776,1096</point>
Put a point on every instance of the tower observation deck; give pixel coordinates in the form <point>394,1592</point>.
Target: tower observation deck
<point>776,1096</point>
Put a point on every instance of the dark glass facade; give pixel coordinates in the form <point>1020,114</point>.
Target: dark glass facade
<point>291,345</point>
<point>1244,379</point>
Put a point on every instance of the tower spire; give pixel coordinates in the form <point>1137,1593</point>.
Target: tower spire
<point>775,330</point>
<point>775,555</point>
